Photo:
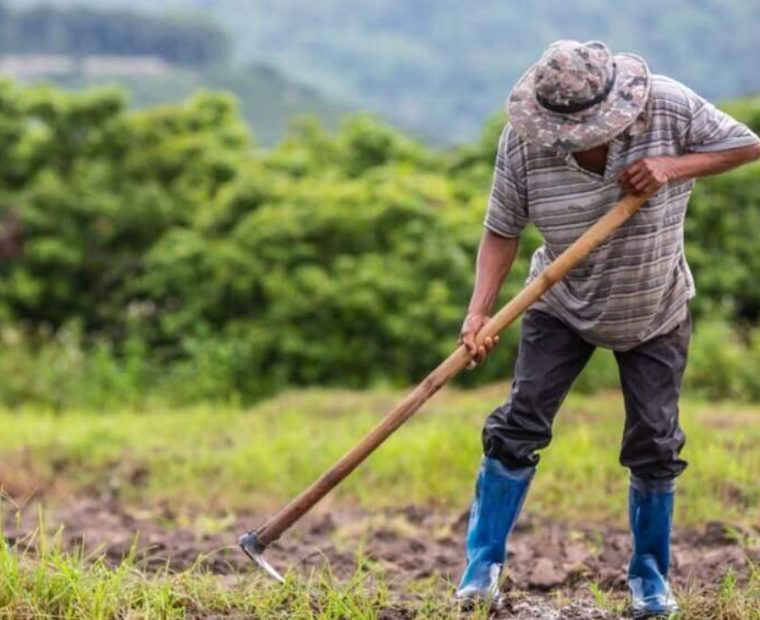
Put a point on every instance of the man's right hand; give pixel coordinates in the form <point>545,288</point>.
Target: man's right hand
<point>473,323</point>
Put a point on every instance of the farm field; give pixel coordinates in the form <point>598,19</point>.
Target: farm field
<point>197,320</point>
<point>135,514</point>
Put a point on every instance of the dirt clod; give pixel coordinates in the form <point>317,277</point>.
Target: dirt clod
<point>546,574</point>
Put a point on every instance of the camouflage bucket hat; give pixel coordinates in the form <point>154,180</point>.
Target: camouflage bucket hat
<point>578,96</point>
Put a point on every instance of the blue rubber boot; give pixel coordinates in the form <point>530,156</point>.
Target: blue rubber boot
<point>499,496</point>
<point>651,516</point>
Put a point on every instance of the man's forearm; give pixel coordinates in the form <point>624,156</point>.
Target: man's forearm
<point>495,257</point>
<point>649,174</point>
<point>693,165</point>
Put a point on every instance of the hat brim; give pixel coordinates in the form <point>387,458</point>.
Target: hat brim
<point>581,130</point>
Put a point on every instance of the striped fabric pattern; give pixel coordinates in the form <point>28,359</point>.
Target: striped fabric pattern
<point>636,285</point>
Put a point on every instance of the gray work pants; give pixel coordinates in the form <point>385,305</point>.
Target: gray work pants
<point>550,357</point>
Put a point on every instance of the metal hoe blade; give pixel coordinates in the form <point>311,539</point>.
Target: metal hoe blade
<point>252,547</point>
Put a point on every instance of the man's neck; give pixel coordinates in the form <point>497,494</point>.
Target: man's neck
<point>593,160</point>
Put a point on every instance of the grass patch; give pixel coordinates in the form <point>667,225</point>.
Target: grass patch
<point>51,583</point>
<point>229,460</point>
<point>726,600</point>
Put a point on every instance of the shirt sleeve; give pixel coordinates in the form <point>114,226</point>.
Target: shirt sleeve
<point>507,212</point>
<point>710,129</point>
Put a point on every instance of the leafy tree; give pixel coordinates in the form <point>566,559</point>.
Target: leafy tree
<point>163,240</point>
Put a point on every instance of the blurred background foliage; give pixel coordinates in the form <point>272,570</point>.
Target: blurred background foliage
<point>436,68</point>
<point>82,30</point>
<point>166,258</point>
<point>155,57</point>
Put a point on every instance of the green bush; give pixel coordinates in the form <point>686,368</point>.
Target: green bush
<point>56,371</point>
<point>163,253</point>
<point>723,365</point>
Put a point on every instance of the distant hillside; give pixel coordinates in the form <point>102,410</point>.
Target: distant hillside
<point>190,40</point>
<point>268,101</point>
<point>444,66</point>
<point>158,59</point>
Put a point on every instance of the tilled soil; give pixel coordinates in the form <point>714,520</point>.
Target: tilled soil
<point>410,544</point>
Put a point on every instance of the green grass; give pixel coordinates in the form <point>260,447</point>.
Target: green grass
<point>227,460</point>
<point>55,584</point>
<point>727,601</point>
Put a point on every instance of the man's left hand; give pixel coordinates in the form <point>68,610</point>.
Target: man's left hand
<point>647,175</point>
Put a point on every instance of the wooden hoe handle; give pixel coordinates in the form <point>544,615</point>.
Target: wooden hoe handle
<point>450,367</point>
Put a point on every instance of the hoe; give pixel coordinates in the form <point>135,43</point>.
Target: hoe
<point>255,542</point>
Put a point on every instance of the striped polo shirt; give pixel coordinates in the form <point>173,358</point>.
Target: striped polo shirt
<point>636,284</point>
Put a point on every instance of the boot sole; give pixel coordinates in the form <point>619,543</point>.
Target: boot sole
<point>652,615</point>
<point>471,603</point>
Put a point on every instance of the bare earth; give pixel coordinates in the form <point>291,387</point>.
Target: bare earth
<point>410,544</point>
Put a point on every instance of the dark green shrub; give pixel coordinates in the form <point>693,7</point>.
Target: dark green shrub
<point>197,267</point>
